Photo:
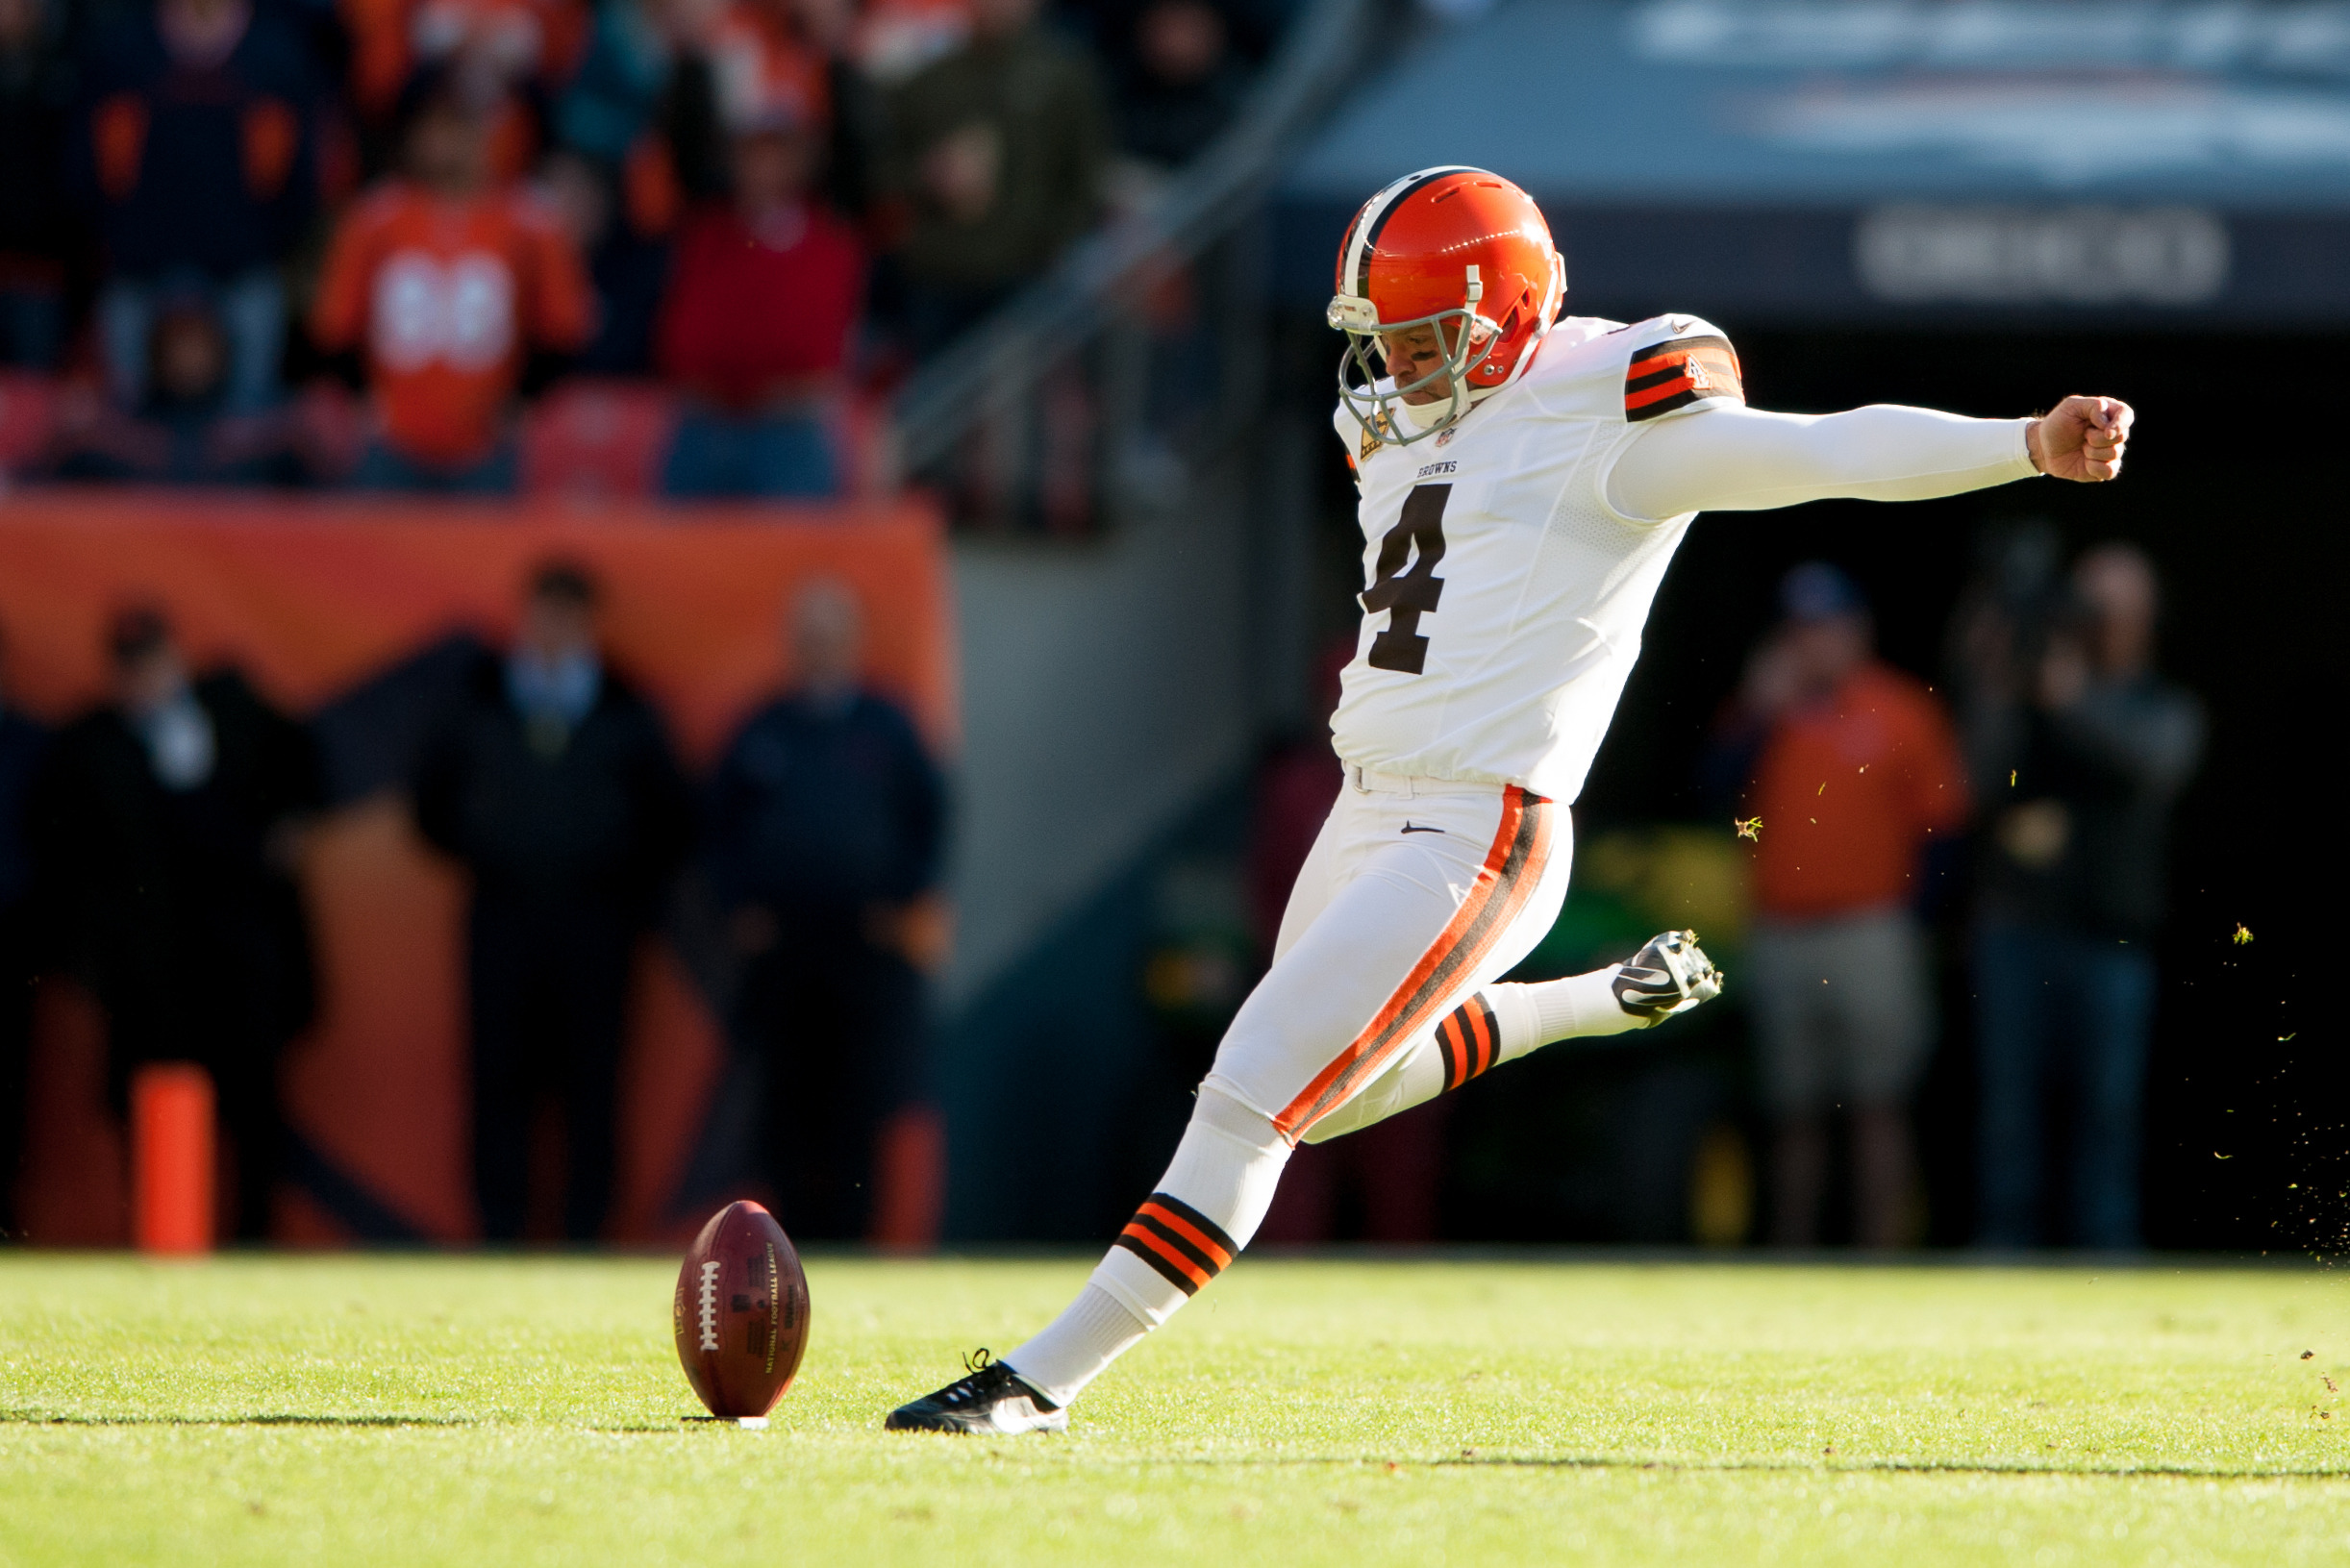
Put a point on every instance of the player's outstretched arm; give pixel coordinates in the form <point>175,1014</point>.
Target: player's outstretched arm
<point>1730,458</point>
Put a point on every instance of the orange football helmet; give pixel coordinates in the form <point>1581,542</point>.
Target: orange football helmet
<point>1456,249</point>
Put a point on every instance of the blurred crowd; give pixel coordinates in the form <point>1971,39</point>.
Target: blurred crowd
<point>683,246</point>
<point>150,850</point>
<point>1988,849</point>
<point>2039,779</point>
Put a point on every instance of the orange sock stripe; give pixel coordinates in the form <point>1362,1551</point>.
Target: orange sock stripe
<point>1480,1023</point>
<point>1456,1049</point>
<point>1512,869</point>
<point>1218,1257</point>
<point>1181,1272</point>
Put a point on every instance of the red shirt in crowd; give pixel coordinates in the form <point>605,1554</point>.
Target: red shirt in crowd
<point>1848,789</point>
<point>446,295</point>
<point>754,310</point>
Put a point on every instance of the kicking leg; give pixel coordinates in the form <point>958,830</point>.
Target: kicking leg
<point>1507,1020</point>
<point>1437,891</point>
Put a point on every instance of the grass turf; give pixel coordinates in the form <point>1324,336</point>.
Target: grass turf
<point>420,1410</point>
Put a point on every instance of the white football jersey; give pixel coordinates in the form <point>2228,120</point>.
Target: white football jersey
<point>1504,596</point>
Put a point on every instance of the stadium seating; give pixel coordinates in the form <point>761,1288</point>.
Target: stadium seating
<point>598,438</point>
<point>28,421</point>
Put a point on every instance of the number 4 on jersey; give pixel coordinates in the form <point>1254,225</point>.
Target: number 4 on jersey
<point>1405,595</point>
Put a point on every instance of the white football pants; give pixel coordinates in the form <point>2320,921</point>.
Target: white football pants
<point>1417,894</point>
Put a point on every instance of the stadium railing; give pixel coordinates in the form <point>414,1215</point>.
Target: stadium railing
<point>1131,366</point>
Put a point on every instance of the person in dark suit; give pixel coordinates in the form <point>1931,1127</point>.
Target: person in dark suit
<point>825,825</point>
<point>553,781</point>
<point>170,820</point>
<point>22,743</point>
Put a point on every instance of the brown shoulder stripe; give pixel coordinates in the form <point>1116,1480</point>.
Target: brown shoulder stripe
<point>1675,374</point>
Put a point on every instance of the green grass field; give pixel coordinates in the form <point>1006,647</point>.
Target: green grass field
<point>416,1410</point>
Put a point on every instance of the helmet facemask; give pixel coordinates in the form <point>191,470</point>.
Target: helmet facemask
<point>1467,337</point>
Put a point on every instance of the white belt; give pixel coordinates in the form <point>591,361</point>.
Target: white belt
<point>1365,780</point>
<point>1367,783</point>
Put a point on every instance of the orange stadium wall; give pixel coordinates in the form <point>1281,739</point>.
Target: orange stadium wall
<point>311,599</point>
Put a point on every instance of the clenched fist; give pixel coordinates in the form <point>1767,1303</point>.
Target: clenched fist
<point>2081,438</point>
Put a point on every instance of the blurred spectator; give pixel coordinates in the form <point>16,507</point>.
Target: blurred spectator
<point>825,824</point>
<point>1180,80</point>
<point>171,816</point>
<point>21,745</point>
<point>856,126</point>
<point>185,432</point>
<point>35,94</point>
<point>1853,767</point>
<point>197,146</point>
<point>553,783</point>
<point>615,101</point>
<point>627,269</point>
<point>2080,749</point>
<point>762,300</point>
<point>734,62</point>
<point>893,40</point>
<point>509,54</point>
<point>448,281</point>
<point>1000,149</point>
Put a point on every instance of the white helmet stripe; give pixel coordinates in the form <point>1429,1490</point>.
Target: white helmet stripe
<point>1375,215</point>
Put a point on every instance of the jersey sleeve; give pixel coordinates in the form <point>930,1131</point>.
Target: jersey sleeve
<point>1746,459</point>
<point>1679,363</point>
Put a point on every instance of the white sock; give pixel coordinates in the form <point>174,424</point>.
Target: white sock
<point>1578,1007</point>
<point>1092,1332</point>
<point>1209,1204</point>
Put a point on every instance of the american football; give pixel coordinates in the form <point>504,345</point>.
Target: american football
<point>740,1314</point>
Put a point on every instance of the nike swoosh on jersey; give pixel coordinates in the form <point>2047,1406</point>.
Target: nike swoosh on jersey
<point>1409,828</point>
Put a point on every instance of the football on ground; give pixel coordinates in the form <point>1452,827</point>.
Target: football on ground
<point>425,1410</point>
<point>740,1317</point>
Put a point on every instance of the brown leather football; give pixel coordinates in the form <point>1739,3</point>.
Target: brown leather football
<point>742,1312</point>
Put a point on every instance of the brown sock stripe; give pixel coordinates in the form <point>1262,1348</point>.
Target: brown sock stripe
<point>1484,1030</point>
<point>1453,1040</point>
<point>1216,1249</point>
<point>1470,1038</point>
<point>1186,1247</point>
<point>1176,1269</point>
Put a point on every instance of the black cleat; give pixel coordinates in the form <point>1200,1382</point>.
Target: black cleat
<point>992,1399</point>
<point>1670,975</point>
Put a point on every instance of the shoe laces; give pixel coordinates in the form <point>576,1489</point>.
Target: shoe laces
<point>983,1377</point>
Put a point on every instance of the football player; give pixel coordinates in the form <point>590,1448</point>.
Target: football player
<point>1525,481</point>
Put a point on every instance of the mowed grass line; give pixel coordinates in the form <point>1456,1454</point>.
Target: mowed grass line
<point>400,1409</point>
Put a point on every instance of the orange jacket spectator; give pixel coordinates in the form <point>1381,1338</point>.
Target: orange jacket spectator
<point>445,295</point>
<point>1849,786</point>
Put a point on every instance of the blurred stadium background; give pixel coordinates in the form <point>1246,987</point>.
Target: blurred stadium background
<point>1102,539</point>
